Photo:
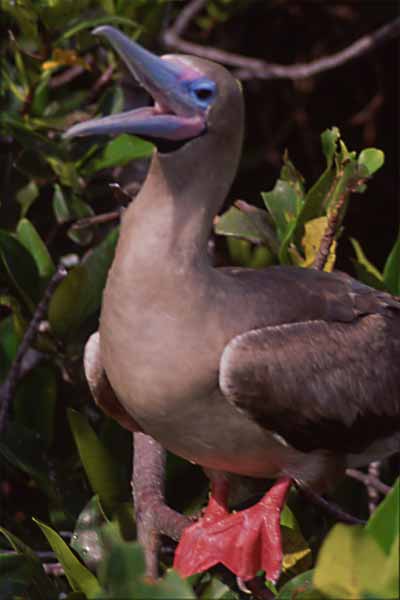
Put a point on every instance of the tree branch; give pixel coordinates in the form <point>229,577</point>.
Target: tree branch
<point>329,507</point>
<point>255,68</point>
<point>369,480</point>
<point>329,234</point>
<point>7,389</point>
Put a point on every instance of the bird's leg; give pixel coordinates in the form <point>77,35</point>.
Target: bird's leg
<point>153,516</point>
<point>148,492</point>
<point>245,542</point>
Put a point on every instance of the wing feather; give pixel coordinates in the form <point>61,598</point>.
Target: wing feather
<point>319,384</point>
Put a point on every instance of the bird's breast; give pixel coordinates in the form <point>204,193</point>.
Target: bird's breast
<point>162,360</point>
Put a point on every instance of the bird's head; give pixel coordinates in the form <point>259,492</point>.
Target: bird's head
<point>192,97</point>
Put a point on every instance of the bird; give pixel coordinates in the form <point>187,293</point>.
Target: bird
<point>283,373</point>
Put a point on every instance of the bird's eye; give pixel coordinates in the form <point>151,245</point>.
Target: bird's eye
<point>203,93</point>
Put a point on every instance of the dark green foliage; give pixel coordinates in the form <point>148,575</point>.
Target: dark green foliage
<point>63,462</point>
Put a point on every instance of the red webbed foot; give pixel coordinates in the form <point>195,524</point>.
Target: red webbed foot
<point>245,542</point>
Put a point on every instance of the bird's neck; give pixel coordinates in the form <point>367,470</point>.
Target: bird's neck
<point>169,222</point>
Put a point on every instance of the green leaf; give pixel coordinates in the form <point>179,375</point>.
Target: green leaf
<point>26,196</point>
<point>38,579</point>
<point>283,204</point>
<point>240,251</point>
<point>122,573</point>
<point>35,402</point>
<point>329,140</point>
<point>101,469</point>
<point>79,577</point>
<point>20,268</point>
<point>300,588</point>
<point>60,205</point>
<point>352,565</point>
<point>249,223</point>
<point>384,524</point>
<point>391,271</point>
<point>118,152</point>
<point>40,99</point>
<point>80,210</point>
<point>366,271</point>
<point>372,159</point>
<point>91,23</point>
<point>296,551</point>
<point>79,294</point>
<point>290,174</point>
<point>325,191</point>
<point>314,203</point>
<point>31,240</point>
<point>65,171</point>
<point>216,590</point>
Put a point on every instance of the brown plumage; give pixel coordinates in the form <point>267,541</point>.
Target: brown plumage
<point>283,372</point>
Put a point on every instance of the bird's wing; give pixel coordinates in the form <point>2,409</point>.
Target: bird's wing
<point>319,384</point>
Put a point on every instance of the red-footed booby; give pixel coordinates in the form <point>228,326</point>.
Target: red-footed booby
<point>280,373</point>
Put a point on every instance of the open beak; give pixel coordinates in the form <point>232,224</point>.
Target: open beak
<point>174,116</point>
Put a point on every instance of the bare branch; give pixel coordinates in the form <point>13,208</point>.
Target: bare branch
<point>373,494</point>
<point>97,219</point>
<point>329,507</point>
<point>54,569</point>
<point>329,235</point>
<point>255,68</point>
<point>7,389</point>
<point>68,75</point>
<point>369,480</point>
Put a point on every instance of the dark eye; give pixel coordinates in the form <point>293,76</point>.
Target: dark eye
<point>203,93</point>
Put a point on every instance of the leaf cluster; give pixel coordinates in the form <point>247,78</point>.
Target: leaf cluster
<point>62,461</point>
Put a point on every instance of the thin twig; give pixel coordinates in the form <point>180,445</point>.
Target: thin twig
<point>329,235</point>
<point>369,480</point>
<point>53,569</point>
<point>373,495</point>
<point>68,75</point>
<point>251,68</point>
<point>258,590</point>
<point>329,507</point>
<point>97,219</point>
<point>7,389</point>
<point>101,82</point>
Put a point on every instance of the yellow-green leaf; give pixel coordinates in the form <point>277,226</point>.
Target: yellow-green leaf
<point>100,466</point>
<point>29,237</point>
<point>79,577</point>
<point>313,234</point>
<point>352,565</point>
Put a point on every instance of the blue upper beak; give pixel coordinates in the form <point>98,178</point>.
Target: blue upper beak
<point>176,114</point>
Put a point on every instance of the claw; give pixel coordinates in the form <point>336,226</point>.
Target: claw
<point>245,542</point>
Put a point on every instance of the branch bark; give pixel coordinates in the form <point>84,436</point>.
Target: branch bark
<point>7,389</point>
<point>369,480</point>
<point>255,68</point>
